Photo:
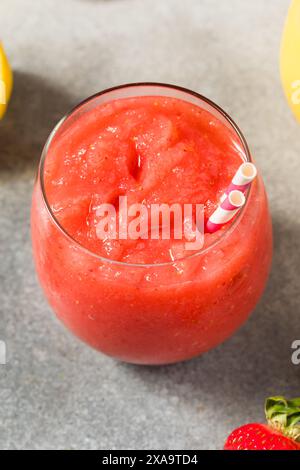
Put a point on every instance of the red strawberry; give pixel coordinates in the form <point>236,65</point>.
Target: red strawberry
<point>256,436</point>
<point>281,433</point>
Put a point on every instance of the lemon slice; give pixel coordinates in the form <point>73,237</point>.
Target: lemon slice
<point>6,81</point>
<point>290,58</point>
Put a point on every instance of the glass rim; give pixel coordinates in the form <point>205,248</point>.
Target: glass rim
<point>203,98</point>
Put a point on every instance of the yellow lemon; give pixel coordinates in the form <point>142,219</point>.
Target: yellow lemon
<point>290,58</point>
<point>6,81</point>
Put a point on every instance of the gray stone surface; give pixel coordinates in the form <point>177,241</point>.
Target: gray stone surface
<point>55,392</point>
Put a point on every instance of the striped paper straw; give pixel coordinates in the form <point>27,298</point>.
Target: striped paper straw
<point>242,179</point>
<point>232,203</point>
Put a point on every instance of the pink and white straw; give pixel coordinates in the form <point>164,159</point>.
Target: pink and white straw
<point>225,211</point>
<point>242,179</point>
<point>233,199</point>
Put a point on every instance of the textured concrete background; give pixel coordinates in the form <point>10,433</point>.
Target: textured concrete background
<point>55,392</point>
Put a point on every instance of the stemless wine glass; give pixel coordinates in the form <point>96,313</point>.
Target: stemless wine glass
<point>154,313</point>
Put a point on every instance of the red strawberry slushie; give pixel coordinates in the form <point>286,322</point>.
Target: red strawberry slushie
<point>143,300</point>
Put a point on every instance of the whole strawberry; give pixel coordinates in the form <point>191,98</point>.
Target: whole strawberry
<point>281,433</point>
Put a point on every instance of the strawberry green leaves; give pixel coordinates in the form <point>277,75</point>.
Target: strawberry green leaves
<point>284,415</point>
